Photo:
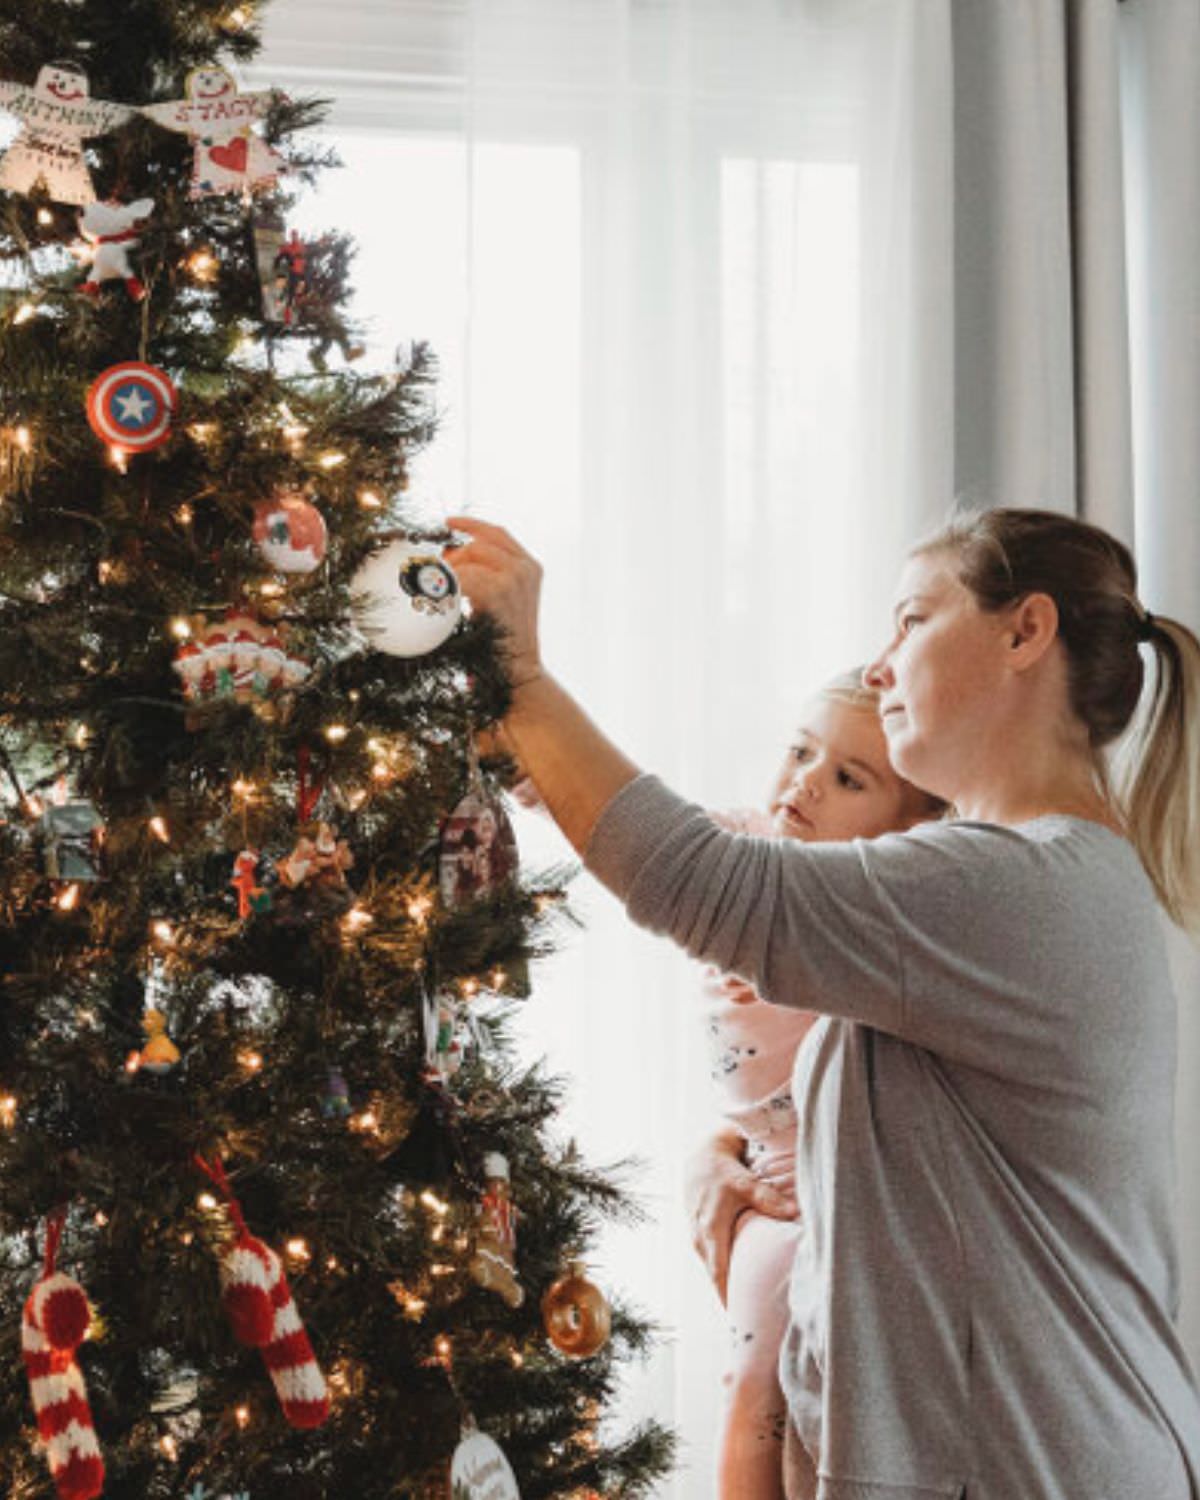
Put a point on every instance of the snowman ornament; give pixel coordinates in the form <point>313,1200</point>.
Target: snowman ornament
<point>109,228</point>
<point>57,115</point>
<point>407,599</point>
<point>228,156</point>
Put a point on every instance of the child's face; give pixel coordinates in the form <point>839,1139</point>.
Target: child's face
<point>836,781</point>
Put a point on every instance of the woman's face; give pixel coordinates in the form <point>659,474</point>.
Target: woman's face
<point>835,781</point>
<point>941,679</point>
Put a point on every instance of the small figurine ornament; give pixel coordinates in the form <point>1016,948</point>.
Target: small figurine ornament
<point>312,877</point>
<point>493,1264</point>
<point>228,156</point>
<point>111,230</point>
<point>53,1325</point>
<point>57,115</point>
<point>291,276</point>
<point>335,1105</point>
<point>73,841</point>
<point>252,897</point>
<point>577,1316</point>
<point>160,1054</point>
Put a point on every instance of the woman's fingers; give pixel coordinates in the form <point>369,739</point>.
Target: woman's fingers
<point>499,577</point>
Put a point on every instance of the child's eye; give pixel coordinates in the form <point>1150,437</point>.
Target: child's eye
<point>851,781</point>
<point>800,752</point>
<point>907,620</point>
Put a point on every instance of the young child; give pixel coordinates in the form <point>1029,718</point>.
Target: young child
<point>835,783</point>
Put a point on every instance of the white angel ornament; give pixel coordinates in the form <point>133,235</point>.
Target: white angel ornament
<point>57,114</point>
<point>229,157</point>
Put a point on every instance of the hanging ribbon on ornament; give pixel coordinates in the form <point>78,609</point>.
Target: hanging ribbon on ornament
<point>258,1302</point>
<point>53,1325</point>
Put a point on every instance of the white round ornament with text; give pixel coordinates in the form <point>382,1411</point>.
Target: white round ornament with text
<point>407,599</point>
<point>480,1471</point>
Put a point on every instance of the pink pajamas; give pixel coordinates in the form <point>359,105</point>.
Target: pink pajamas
<point>753,1049</point>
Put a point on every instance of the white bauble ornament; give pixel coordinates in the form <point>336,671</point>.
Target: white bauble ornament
<point>480,1471</point>
<point>290,532</point>
<point>407,599</point>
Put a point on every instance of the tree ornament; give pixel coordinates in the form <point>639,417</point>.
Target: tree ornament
<point>445,1035</point>
<point>577,1316</point>
<point>258,1302</point>
<point>266,229</point>
<point>313,876</point>
<point>131,405</point>
<point>55,1320</point>
<point>72,836</point>
<point>493,1264</point>
<point>160,1054</point>
<point>479,1469</point>
<point>335,1103</point>
<point>57,115</point>
<point>291,277</point>
<point>252,897</point>
<point>228,156</point>
<point>290,532</point>
<point>241,658</point>
<point>408,599</point>
<point>109,228</point>
<point>477,853</point>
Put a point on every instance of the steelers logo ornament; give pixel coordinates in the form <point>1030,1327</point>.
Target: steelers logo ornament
<point>130,406</point>
<point>407,599</point>
<point>290,532</point>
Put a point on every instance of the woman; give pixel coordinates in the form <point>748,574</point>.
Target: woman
<point>985,1292</point>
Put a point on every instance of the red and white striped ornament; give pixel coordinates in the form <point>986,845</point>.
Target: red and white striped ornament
<point>258,1301</point>
<point>53,1325</point>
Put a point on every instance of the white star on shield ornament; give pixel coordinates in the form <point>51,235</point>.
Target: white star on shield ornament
<point>130,406</point>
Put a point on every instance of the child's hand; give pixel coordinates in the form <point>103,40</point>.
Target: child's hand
<point>719,1188</point>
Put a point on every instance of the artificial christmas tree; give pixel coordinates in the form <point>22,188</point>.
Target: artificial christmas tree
<point>251,1083</point>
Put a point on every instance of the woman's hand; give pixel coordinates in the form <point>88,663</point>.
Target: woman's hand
<point>498,576</point>
<point>718,1189</point>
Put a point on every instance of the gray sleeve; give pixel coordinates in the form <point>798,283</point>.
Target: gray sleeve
<point>803,925</point>
<point>947,935</point>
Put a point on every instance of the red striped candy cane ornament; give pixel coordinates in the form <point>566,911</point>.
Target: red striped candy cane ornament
<point>55,1320</point>
<point>258,1301</point>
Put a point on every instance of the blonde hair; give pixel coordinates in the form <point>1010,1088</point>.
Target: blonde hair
<point>1145,747</point>
<point>849,688</point>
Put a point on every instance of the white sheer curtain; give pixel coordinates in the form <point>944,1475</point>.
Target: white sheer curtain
<point>685,266</point>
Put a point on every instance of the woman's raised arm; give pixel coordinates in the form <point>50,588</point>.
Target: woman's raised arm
<point>574,766</point>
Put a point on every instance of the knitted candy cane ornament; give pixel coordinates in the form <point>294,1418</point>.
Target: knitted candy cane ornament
<point>55,1319</point>
<point>258,1300</point>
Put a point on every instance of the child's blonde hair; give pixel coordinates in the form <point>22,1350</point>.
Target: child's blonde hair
<point>849,688</point>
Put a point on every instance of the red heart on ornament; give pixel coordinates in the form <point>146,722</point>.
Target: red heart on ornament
<point>232,156</point>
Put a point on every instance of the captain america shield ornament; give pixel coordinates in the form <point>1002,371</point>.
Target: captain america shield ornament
<point>131,405</point>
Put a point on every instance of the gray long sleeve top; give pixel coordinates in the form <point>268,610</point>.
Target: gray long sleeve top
<point>985,1294</point>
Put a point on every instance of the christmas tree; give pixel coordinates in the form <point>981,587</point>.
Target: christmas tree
<point>281,1215</point>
